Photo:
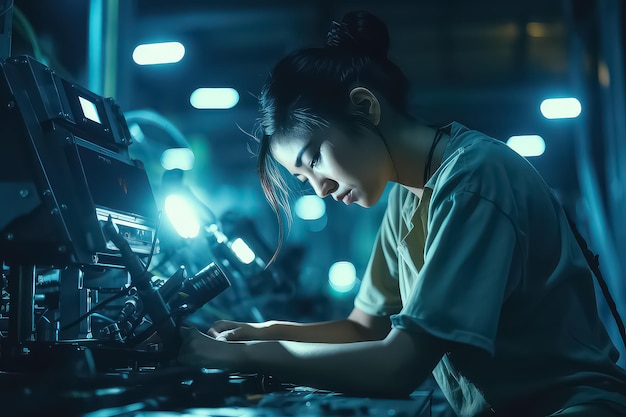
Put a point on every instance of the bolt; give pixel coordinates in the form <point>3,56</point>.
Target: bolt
<point>62,249</point>
<point>64,207</point>
<point>54,211</point>
<point>9,236</point>
<point>11,104</point>
<point>24,193</point>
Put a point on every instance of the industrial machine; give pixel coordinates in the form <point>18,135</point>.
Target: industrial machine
<point>78,227</point>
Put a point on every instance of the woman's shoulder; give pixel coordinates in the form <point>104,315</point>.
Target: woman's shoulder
<point>476,162</point>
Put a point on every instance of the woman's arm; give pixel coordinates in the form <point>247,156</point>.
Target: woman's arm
<point>359,326</point>
<point>394,366</point>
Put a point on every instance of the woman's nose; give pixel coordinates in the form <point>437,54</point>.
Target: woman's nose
<point>324,186</point>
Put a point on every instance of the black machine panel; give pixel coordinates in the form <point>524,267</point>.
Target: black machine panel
<point>67,170</point>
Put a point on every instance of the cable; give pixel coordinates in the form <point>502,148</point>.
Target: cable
<point>154,241</point>
<point>21,23</point>
<point>122,293</point>
<point>155,119</point>
<point>7,8</point>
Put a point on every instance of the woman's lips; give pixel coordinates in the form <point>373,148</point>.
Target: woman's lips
<point>348,198</point>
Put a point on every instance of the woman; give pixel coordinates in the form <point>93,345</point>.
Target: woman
<point>475,276</point>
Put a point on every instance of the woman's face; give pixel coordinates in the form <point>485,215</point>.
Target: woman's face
<point>352,168</point>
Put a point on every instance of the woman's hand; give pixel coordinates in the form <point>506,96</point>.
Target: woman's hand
<point>226,330</point>
<point>199,349</point>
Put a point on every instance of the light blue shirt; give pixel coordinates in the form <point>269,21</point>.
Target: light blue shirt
<point>487,259</point>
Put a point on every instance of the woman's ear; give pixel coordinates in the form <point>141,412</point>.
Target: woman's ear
<point>365,100</point>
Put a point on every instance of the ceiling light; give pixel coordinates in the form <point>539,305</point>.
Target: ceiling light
<point>214,98</point>
<point>158,53</point>
<point>560,108</point>
<point>537,30</point>
<point>527,145</point>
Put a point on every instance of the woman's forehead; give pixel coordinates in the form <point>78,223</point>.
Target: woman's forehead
<point>288,149</point>
<point>292,142</point>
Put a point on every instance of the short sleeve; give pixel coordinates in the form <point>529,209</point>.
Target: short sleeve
<point>470,258</point>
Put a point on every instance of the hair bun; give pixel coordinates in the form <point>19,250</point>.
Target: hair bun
<point>360,32</point>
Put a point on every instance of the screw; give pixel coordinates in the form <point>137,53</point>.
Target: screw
<point>24,193</point>
<point>11,104</point>
<point>54,211</point>
<point>9,236</point>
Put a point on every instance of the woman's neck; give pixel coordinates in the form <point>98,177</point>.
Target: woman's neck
<point>410,143</point>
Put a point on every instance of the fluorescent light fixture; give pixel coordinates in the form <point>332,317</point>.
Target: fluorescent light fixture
<point>243,252</point>
<point>214,98</point>
<point>527,145</point>
<point>342,276</point>
<point>560,108</point>
<point>310,207</point>
<point>183,217</point>
<point>158,53</point>
<point>177,158</point>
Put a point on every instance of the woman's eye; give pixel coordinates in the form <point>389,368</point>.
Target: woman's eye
<point>315,160</point>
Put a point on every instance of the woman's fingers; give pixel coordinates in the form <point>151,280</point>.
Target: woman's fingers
<point>228,330</point>
<point>199,349</point>
<point>221,325</point>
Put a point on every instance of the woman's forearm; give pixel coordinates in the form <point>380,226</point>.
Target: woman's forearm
<point>340,331</point>
<point>358,327</point>
<point>390,367</point>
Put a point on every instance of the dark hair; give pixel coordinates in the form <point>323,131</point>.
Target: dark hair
<point>311,87</point>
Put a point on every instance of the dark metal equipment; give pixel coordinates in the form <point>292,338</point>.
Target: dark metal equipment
<point>78,219</point>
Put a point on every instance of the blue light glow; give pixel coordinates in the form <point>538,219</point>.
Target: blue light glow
<point>243,251</point>
<point>183,217</point>
<point>158,53</point>
<point>560,108</point>
<point>136,133</point>
<point>310,207</point>
<point>527,145</point>
<point>214,98</point>
<point>177,158</point>
<point>342,276</point>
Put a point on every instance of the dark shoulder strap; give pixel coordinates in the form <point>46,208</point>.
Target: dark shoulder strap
<point>594,264</point>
